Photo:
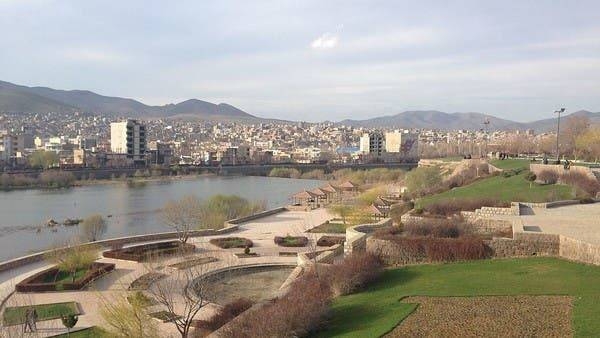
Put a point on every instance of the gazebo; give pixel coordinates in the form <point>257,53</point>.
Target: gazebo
<point>332,192</point>
<point>322,196</point>
<point>306,198</point>
<point>349,186</point>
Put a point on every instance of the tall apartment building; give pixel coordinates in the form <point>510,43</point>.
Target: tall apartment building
<point>129,138</point>
<point>372,143</point>
<point>403,142</point>
<point>8,147</point>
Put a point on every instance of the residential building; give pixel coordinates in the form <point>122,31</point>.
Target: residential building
<point>372,143</point>
<point>128,137</point>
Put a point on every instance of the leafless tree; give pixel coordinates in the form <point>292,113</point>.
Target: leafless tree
<point>92,228</point>
<point>182,296</point>
<point>183,216</point>
<point>127,318</point>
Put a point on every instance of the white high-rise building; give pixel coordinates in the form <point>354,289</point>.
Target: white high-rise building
<point>372,143</point>
<point>128,137</point>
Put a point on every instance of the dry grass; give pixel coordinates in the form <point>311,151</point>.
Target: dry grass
<point>500,316</point>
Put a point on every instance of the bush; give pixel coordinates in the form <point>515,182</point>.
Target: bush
<point>580,181</point>
<point>291,241</point>
<point>548,176</point>
<point>231,242</point>
<point>225,314</point>
<point>354,273</point>
<point>454,206</point>
<point>441,228</point>
<point>330,240</point>
<point>285,173</point>
<point>295,314</point>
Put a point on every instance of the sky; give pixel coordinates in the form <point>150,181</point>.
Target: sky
<point>314,60</point>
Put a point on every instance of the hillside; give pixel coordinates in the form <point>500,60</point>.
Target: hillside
<point>16,98</point>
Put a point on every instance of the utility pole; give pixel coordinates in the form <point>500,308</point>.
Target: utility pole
<point>560,111</point>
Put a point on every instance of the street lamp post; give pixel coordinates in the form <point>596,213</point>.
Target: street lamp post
<point>560,111</point>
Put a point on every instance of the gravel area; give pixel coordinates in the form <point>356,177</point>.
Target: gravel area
<point>497,316</point>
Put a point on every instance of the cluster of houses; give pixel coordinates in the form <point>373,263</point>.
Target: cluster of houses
<point>328,194</point>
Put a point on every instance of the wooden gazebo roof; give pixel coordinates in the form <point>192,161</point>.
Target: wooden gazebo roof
<point>319,192</point>
<point>348,185</point>
<point>329,188</point>
<point>304,194</point>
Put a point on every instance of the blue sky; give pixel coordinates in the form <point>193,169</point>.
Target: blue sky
<point>314,60</point>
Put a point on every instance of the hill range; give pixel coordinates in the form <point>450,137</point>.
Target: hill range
<point>16,98</point>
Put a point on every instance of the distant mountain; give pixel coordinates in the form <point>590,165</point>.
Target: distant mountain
<point>16,98</point>
<point>431,119</point>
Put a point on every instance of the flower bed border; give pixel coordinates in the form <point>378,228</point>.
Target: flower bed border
<point>96,270</point>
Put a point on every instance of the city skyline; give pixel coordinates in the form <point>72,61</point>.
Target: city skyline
<point>517,61</point>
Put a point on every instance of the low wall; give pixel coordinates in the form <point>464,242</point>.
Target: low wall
<point>576,250</point>
<point>356,236</point>
<point>525,244</point>
<point>393,253</point>
<point>253,217</point>
<point>322,256</point>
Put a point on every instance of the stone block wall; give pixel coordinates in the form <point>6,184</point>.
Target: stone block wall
<point>576,250</point>
<point>393,253</point>
<point>356,236</point>
<point>525,244</point>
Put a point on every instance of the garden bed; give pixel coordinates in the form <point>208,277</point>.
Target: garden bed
<point>246,255</point>
<point>15,315</point>
<point>190,263</point>
<point>55,280</point>
<point>508,316</point>
<point>143,282</point>
<point>330,240</point>
<point>330,228</point>
<point>291,241</point>
<point>140,253</point>
<point>231,242</point>
<point>164,316</point>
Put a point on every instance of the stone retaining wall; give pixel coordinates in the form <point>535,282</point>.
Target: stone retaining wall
<point>576,250</point>
<point>525,244</point>
<point>356,236</point>
<point>393,253</point>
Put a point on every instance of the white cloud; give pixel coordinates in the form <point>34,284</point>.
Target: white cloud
<point>325,41</point>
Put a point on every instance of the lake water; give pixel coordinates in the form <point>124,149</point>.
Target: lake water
<point>134,209</point>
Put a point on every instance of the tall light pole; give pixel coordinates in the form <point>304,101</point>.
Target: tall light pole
<point>560,111</point>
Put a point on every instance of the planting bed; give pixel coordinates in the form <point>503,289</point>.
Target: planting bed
<point>291,241</point>
<point>14,315</point>
<point>330,228</point>
<point>54,280</point>
<point>506,316</point>
<point>330,240</point>
<point>143,282</point>
<point>193,262</point>
<point>144,252</point>
<point>231,242</point>
<point>164,316</point>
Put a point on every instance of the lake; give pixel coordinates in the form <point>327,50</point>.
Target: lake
<point>134,208</point>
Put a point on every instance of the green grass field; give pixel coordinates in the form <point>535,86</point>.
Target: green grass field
<point>378,309</point>
<point>91,332</point>
<point>16,314</point>
<point>511,189</point>
<point>511,164</point>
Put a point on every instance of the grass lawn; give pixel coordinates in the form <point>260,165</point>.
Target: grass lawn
<point>91,332</point>
<point>378,309</point>
<point>512,189</point>
<point>511,164</point>
<point>65,277</point>
<point>16,314</point>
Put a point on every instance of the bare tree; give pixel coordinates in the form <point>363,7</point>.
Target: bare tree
<point>92,228</point>
<point>72,258</point>
<point>182,295</point>
<point>183,216</point>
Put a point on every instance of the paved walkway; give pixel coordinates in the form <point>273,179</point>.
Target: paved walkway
<point>115,284</point>
<point>580,221</point>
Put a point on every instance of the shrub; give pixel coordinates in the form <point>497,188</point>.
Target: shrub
<point>439,228</point>
<point>454,206</point>
<point>291,241</point>
<point>354,273</point>
<point>295,314</point>
<point>548,176</point>
<point>440,249</point>
<point>330,240</point>
<point>285,173</point>
<point>225,314</point>
<point>231,242</point>
<point>580,181</point>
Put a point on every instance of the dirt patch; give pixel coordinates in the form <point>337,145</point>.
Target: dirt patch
<point>506,316</point>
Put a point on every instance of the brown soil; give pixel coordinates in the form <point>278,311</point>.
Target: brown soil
<point>501,316</point>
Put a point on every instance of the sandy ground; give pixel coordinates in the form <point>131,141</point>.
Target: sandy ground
<point>502,316</point>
